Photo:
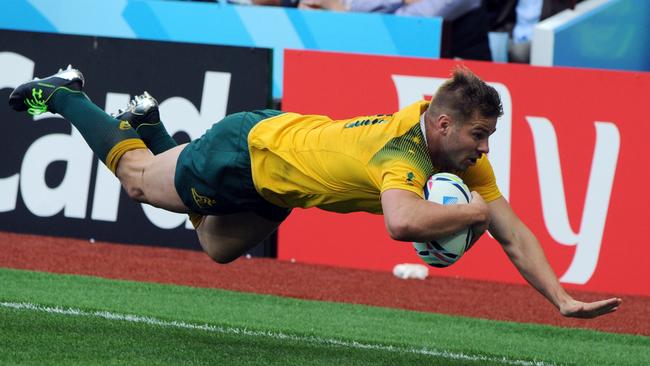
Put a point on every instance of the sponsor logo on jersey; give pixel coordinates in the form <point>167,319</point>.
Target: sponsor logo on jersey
<point>409,178</point>
<point>367,122</point>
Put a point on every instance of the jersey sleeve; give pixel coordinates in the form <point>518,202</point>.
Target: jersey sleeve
<point>401,175</point>
<point>480,178</point>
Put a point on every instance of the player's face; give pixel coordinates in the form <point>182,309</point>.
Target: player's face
<point>467,142</point>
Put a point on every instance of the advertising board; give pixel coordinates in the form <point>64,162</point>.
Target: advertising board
<point>51,184</point>
<point>569,154</point>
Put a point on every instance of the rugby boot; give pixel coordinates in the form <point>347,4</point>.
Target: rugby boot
<point>142,110</point>
<point>143,116</point>
<point>34,96</point>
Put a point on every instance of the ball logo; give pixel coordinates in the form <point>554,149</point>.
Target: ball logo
<point>448,200</point>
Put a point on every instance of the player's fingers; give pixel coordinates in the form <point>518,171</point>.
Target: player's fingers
<point>599,308</point>
<point>603,311</point>
<point>607,304</point>
<point>609,308</point>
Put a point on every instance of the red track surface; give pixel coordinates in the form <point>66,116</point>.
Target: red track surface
<point>441,295</point>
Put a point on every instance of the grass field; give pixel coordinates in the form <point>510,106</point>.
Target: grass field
<point>49,319</point>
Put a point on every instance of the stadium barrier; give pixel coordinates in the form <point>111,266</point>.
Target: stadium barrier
<point>603,34</point>
<point>569,154</point>
<point>50,181</point>
<point>222,24</point>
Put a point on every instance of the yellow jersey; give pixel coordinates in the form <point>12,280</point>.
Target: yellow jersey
<point>345,165</point>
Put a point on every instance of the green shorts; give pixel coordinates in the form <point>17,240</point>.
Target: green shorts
<point>213,173</point>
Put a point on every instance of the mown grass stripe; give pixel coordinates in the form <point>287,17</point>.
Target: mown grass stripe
<point>269,334</point>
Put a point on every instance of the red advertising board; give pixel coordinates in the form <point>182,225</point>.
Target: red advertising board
<point>570,154</point>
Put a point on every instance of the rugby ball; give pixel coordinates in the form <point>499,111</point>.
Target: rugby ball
<point>445,189</point>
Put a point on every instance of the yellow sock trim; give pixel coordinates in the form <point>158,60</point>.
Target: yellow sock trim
<point>196,219</point>
<point>114,155</point>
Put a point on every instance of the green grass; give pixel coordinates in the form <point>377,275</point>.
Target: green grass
<point>251,329</point>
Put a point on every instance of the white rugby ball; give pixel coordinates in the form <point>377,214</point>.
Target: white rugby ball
<point>445,189</point>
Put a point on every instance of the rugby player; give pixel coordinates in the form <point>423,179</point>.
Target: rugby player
<point>241,179</point>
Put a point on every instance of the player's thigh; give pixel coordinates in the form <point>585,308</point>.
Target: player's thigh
<point>158,181</point>
<point>225,238</point>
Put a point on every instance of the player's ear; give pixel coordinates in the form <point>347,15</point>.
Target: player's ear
<point>443,123</point>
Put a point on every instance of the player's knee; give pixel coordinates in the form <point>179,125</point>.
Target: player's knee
<point>221,251</point>
<point>130,172</point>
<point>220,256</point>
<point>134,192</point>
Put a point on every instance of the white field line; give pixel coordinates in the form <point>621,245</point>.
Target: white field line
<point>267,334</point>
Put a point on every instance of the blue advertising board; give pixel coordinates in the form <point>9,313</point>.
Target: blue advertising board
<point>223,24</point>
<point>603,34</point>
<point>617,36</point>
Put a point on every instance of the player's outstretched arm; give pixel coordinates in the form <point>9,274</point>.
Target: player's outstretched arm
<point>525,252</point>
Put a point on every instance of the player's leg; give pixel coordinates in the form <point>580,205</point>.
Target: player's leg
<point>150,179</point>
<point>214,177</point>
<point>143,115</point>
<point>62,93</point>
<point>225,238</point>
<point>145,177</point>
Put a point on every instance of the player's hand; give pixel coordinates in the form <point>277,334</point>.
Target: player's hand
<point>477,232</point>
<point>482,213</point>
<point>587,310</point>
